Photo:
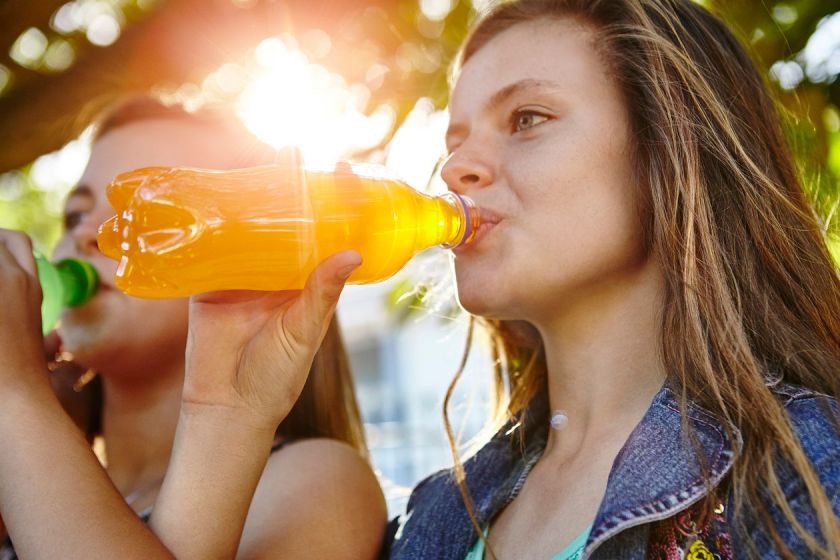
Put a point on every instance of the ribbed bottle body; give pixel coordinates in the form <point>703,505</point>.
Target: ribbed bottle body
<point>183,231</point>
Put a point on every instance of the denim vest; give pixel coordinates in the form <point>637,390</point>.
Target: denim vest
<point>655,480</point>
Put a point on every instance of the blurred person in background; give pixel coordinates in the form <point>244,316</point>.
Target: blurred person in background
<point>316,498</point>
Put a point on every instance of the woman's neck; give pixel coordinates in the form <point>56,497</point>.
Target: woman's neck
<point>138,427</point>
<point>603,360</point>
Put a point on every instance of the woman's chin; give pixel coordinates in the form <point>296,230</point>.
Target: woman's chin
<point>476,303</point>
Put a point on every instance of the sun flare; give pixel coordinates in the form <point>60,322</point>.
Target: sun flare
<point>291,101</point>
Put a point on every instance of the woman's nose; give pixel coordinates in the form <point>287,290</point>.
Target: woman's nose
<point>464,171</point>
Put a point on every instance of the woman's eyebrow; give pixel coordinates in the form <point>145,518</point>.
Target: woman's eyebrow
<point>509,91</point>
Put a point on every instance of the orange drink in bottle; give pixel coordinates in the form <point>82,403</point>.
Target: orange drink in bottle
<point>179,232</point>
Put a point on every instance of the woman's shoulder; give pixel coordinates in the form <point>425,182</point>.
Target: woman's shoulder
<point>304,449</point>
<point>321,465</point>
<point>315,491</point>
<point>815,417</point>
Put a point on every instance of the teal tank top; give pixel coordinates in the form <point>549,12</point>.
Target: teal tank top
<point>571,552</point>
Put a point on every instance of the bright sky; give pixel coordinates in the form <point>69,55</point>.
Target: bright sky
<point>292,101</point>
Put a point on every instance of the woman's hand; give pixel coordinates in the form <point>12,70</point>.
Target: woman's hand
<point>249,352</point>
<point>248,356</point>
<point>21,343</point>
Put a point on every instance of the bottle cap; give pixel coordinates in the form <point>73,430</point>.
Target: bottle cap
<point>470,218</point>
<point>470,221</point>
<point>81,280</point>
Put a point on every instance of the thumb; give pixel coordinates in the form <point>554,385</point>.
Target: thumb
<point>322,290</point>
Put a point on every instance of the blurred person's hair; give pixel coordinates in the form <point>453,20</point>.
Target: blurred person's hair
<point>327,405</point>
<point>234,144</point>
<point>752,295</point>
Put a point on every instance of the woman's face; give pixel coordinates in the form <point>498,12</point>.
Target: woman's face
<point>115,333</point>
<point>540,139</point>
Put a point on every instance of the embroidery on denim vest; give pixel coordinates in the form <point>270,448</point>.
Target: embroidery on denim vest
<point>679,538</point>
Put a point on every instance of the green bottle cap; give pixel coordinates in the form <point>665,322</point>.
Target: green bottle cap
<point>79,279</point>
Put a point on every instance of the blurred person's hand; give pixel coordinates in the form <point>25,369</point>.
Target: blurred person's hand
<point>21,343</point>
<point>26,353</point>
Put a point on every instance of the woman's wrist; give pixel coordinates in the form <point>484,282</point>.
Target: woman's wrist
<point>218,421</point>
<point>217,460</point>
<point>217,393</point>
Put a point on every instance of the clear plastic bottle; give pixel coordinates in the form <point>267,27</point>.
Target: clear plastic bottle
<point>66,283</point>
<point>179,232</point>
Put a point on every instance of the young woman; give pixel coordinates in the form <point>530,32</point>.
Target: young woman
<point>659,291</point>
<point>316,494</point>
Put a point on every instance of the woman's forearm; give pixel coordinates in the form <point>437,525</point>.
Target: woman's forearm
<point>216,463</point>
<point>55,498</point>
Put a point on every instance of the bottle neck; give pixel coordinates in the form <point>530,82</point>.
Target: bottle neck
<point>462,221</point>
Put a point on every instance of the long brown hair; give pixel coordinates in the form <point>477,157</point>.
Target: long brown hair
<point>327,405</point>
<point>752,295</point>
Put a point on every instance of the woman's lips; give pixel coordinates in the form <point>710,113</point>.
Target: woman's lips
<point>488,220</point>
<point>106,279</point>
<point>487,216</point>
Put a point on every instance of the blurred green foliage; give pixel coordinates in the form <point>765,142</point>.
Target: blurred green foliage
<point>783,38</point>
<point>24,206</point>
<point>417,49</point>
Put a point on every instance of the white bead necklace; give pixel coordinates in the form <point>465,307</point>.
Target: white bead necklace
<point>559,419</point>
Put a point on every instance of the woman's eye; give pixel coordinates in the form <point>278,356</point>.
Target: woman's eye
<point>523,120</point>
<point>72,219</point>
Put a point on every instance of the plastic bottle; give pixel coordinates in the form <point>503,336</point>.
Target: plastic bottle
<point>179,232</point>
<point>66,283</point>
